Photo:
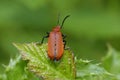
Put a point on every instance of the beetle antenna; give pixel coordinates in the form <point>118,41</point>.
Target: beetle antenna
<point>58,22</point>
<point>64,20</point>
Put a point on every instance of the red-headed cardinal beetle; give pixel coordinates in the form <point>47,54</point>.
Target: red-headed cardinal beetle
<point>56,41</point>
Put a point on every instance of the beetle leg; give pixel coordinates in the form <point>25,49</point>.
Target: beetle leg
<point>64,36</point>
<point>66,48</point>
<point>44,37</point>
<point>64,43</point>
<point>47,33</point>
<point>38,43</point>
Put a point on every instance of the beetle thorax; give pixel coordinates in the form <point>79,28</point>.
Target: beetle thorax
<point>56,29</point>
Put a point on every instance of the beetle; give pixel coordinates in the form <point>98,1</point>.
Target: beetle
<point>56,42</point>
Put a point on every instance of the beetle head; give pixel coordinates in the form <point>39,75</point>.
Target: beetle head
<point>56,29</point>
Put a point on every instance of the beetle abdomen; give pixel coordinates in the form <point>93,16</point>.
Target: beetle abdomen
<point>55,45</point>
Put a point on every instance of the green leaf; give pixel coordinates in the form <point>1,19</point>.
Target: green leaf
<point>111,61</point>
<point>16,70</point>
<point>37,61</point>
<point>42,66</point>
<point>88,71</point>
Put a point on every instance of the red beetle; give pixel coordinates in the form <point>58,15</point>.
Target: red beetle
<point>56,42</point>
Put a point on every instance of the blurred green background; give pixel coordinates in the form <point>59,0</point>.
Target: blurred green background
<point>93,24</point>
